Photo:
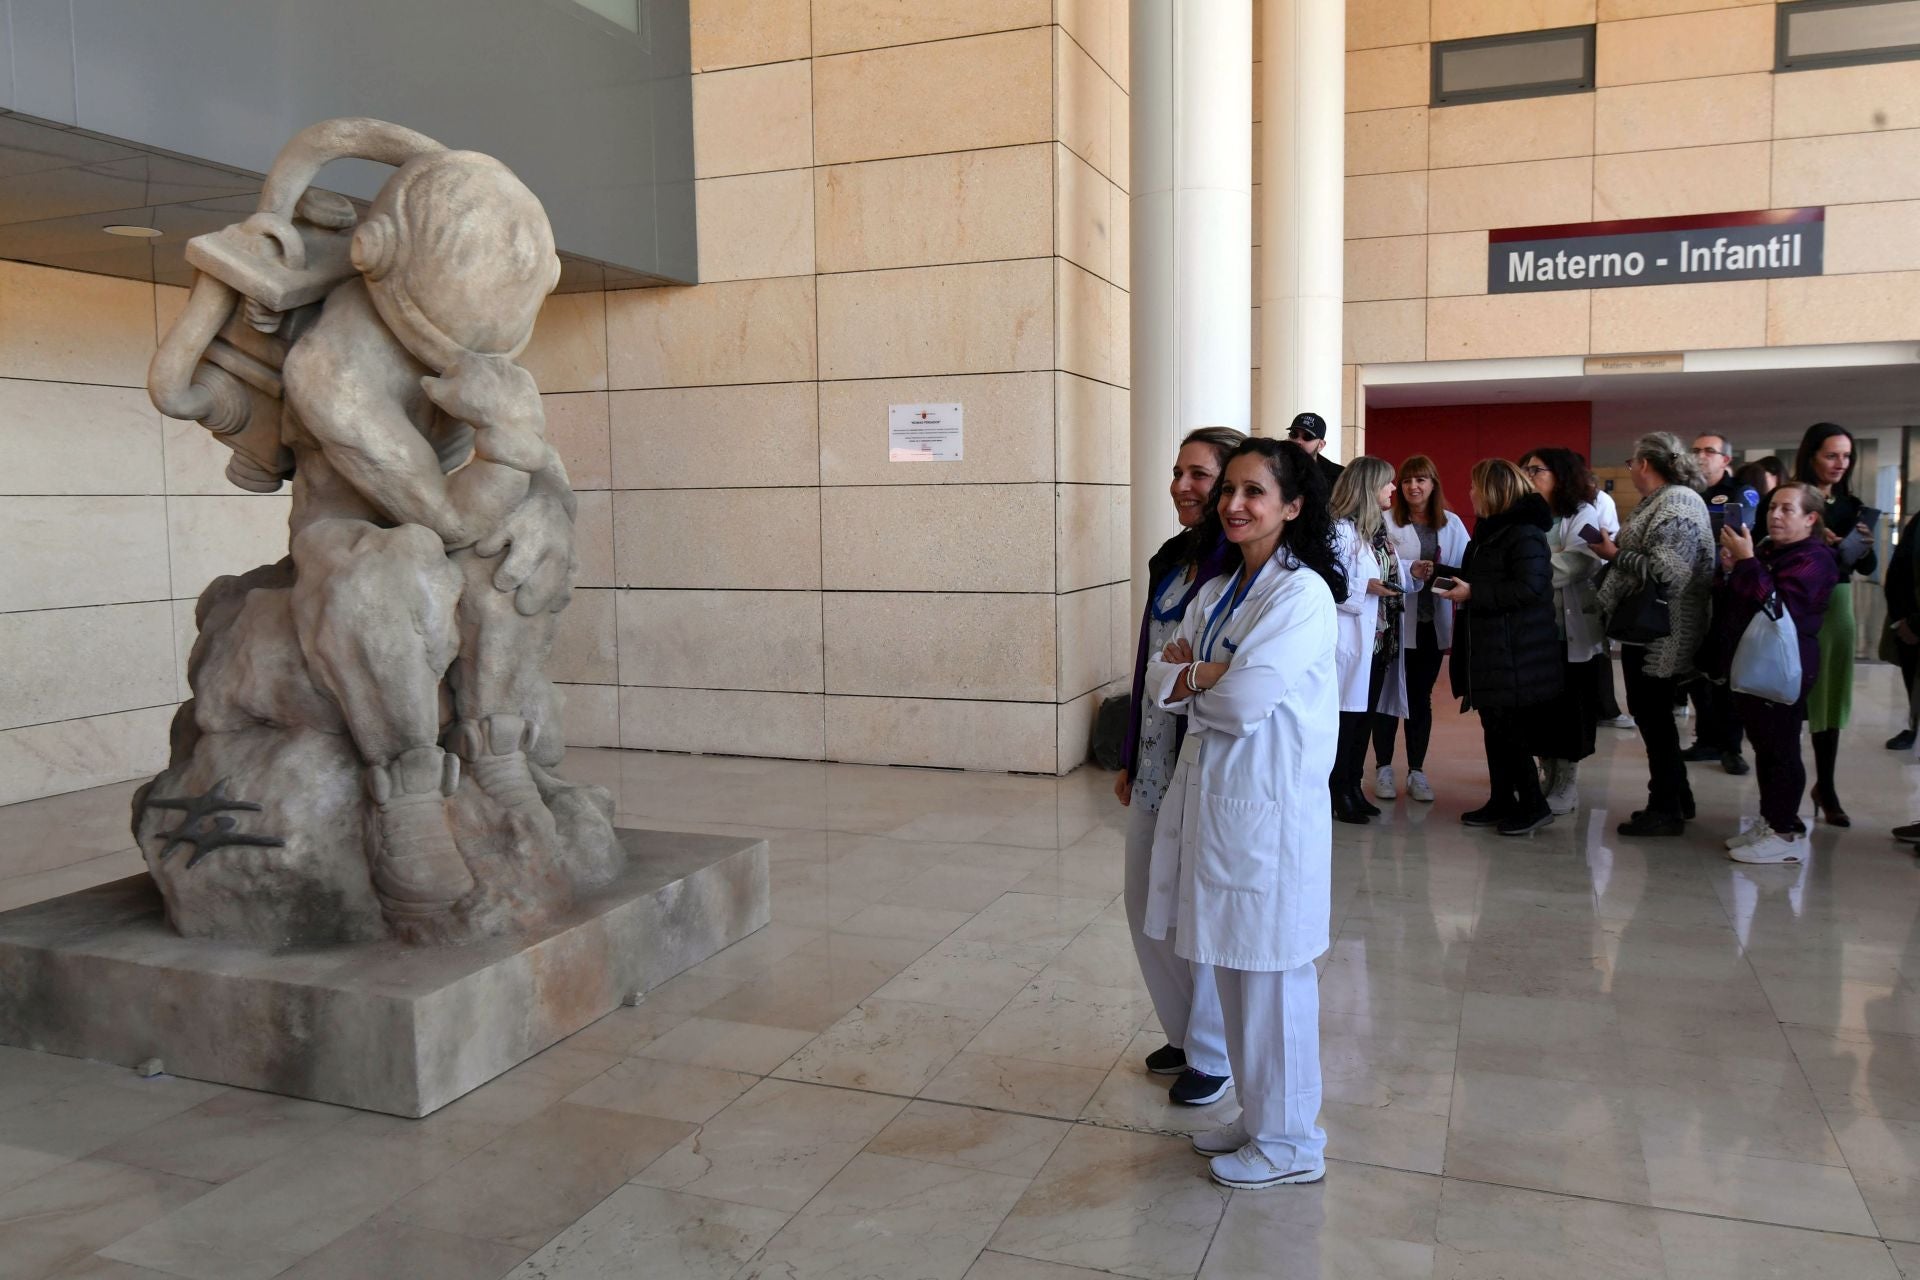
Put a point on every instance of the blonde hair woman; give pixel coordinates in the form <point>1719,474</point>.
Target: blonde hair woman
<point>1369,619</point>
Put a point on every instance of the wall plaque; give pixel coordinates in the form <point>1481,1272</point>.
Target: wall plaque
<point>1697,248</point>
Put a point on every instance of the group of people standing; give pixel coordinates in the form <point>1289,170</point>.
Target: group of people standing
<point>1299,594</point>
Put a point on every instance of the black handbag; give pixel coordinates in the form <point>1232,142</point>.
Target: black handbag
<point>1643,616</point>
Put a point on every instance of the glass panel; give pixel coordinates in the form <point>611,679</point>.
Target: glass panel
<point>624,12</point>
<point>1816,33</point>
<point>1545,61</point>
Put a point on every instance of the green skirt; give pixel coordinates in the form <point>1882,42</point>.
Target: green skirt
<point>1832,698</point>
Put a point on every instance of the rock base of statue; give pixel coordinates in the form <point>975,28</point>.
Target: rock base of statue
<point>377,1025</point>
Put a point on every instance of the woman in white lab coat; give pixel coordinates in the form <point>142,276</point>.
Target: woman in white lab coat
<point>1242,858</point>
<point>1369,621</point>
<point>1421,528</point>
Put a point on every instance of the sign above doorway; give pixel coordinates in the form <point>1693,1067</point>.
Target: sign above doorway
<point>1694,249</point>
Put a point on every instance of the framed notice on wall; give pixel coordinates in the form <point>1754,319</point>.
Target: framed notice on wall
<point>925,433</point>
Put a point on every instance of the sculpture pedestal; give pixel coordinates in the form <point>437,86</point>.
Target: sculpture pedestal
<point>406,1030</point>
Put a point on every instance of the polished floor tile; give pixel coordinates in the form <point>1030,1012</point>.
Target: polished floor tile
<point>1568,1057</point>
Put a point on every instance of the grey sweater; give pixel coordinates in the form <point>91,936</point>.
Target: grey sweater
<point>1667,538</point>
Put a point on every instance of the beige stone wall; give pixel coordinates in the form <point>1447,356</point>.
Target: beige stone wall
<point>897,204</point>
<point>112,519</point>
<point>1688,117</point>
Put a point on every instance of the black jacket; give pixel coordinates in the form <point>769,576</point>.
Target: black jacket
<point>1508,653</point>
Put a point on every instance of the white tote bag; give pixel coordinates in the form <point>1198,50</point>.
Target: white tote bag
<point>1767,662</point>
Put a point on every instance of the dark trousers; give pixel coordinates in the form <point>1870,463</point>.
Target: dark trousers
<point>1350,756</point>
<point>1650,703</point>
<point>1775,732</point>
<point>1606,704</point>
<point>1909,656</point>
<point>1423,670</point>
<point>1510,771</point>
<point>1716,723</point>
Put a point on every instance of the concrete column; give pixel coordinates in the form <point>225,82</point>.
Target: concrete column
<point>1302,231</point>
<point>1192,204</point>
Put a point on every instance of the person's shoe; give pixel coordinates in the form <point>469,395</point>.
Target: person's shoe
<point>1564,798</point>
<point>1700,751</point>
<point>1197,1088</point>
<point>1648,823</point>
<point>1487,815</point>
<point>1248,1169</point>
<point>1686,805</point>
<point>1383,788</point>
<point>1343,810</point>
<point>1167,1060</point>
<point>1621,721</point>
<point>1220,1142</point>
<point>1734,763</point>
<point>1901,741</point>
<point>1525,824</point>
<point>1756,829</point>
<point>1830,811</point>
<point>1418,787</point>
<point>1771,849</point>
<point>1909,834</point>
<point>1360,802</point>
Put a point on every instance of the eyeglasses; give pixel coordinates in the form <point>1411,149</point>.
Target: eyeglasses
<point>1537,470</point>
<point>1711,453</point>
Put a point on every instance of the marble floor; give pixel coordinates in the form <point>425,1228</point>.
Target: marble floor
<point>1567,1056</point>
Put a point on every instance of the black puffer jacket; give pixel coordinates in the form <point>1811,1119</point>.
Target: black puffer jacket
<point>1506,650</point>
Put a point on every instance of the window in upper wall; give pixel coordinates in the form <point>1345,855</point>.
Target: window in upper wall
<point>1841,33</point>
<point>1526,64</point>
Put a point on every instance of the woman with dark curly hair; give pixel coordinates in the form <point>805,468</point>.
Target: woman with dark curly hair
<point>1242,863</point>
<point>1567,730</point>
<point>1825,461</point>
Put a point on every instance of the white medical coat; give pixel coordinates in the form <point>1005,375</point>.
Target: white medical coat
<point>1359,615</point>
<point>1242,860</point>
<point>1406,545</point>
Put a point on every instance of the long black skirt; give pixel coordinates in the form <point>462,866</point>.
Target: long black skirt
<point>1563,728</point>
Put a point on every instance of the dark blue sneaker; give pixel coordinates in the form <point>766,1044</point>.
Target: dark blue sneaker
<point>1167,1060</point>
<point>1197,1088</point>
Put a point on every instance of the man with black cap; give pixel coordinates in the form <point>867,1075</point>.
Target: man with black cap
<point>1309,431</point>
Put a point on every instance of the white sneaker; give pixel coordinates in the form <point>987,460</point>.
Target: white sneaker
<point>1771,848</point>
<point>1383,783</point>
<point>1220,1142</point>
<point>1620,722</point>
<point>1249,1169</point>
<point>1751,829</point>
<point>1565,798</point>
<point>1417,786</point>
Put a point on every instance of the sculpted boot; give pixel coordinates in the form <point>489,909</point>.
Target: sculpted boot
<point>495,749</point>
<point>418,870</point>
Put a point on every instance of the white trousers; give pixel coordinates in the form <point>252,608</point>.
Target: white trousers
<point>1273,1039</point>
<point>1184,994</point>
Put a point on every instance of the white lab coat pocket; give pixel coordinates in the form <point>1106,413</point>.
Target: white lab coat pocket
<point>1239,846</point>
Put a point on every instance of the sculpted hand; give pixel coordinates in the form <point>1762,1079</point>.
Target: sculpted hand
<point>501,402</point>
<point>1178,651</point>
<point>538,569</point>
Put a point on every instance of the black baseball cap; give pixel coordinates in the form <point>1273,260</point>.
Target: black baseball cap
<point>1310,425</point>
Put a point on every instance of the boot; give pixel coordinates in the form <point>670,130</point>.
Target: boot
<point>418,869</point>
<point>1358,799</point>
<point>495,748</point>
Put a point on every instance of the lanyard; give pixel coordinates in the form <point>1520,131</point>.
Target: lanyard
<point>1223,611</point>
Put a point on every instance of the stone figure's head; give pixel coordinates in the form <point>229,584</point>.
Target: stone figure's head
<point>457,254</point>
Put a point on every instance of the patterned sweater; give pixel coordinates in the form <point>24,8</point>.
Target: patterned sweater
<point>1667,538</point>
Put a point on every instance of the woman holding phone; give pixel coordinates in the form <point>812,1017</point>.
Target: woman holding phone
<point>1183,993</point>
<point>1369,622</point>
<point>1796,567</point>
<point>1242,866</point>
<point>1421,528</point>
<point>1507,654</point>
<point>1825,461</point>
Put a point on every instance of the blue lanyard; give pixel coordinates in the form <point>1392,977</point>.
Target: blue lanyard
<point>1223,611</point>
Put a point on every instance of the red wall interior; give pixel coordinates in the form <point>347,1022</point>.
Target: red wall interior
<point>1456,436</point>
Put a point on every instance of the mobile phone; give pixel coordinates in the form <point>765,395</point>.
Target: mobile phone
<point>1444,584</point>
<point>1737,517</point>
<point>1870,517</point>
<point>1591,536</point>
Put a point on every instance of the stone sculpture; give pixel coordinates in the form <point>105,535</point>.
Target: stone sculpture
<point>371,743</point>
